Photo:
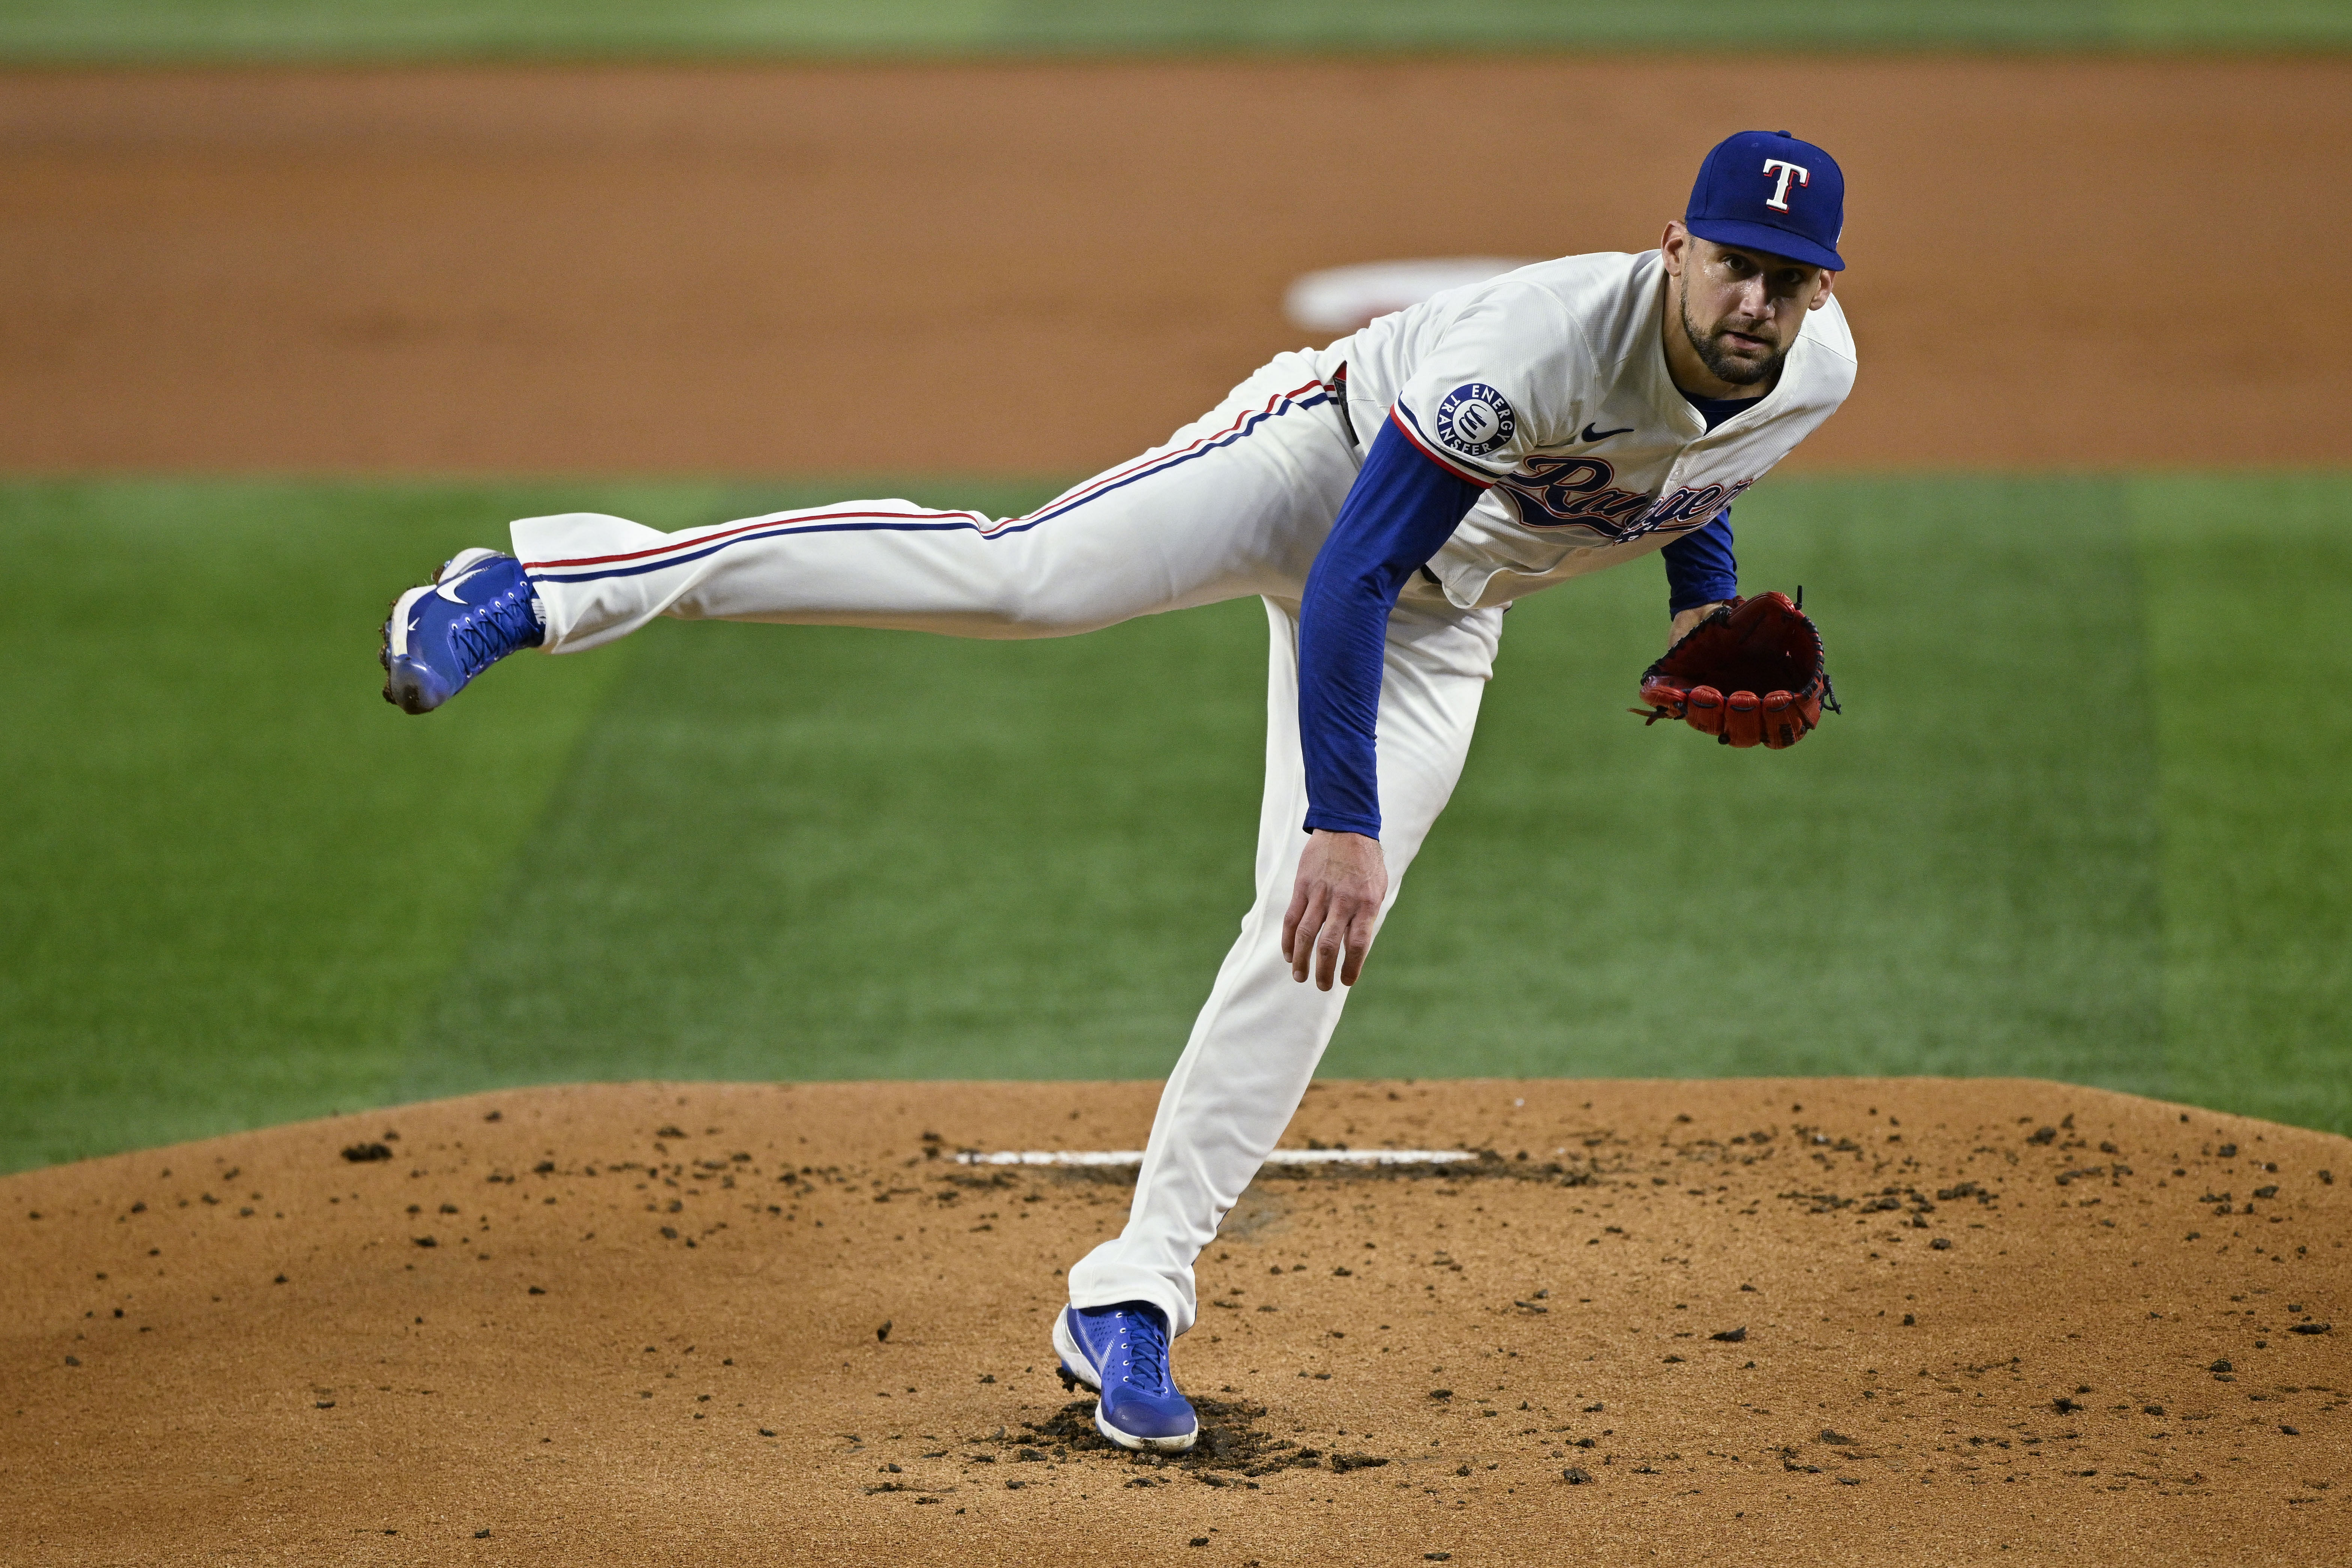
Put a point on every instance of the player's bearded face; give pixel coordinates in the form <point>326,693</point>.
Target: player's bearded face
<point>1736,345</point>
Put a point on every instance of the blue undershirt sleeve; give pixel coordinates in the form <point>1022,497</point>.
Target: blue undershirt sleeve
<point>1403,507</point>
<point>1700,569</point>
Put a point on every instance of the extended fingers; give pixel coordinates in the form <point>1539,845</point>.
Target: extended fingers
<point>1344,940</point>
<point>1307,930</point>
<point>1329,930</point>
<point>1329,942</point>
<point>1360,942</point>
<point>1336,942</point>
<point>1298,901</point>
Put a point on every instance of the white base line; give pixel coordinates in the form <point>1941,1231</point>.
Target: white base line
<point>1279,1157</point>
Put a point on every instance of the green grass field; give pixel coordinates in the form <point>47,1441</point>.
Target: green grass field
<point>2081,820</point>
<point>409,29</point>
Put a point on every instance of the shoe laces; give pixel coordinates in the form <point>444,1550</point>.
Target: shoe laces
<point>494,630</point>
<point>1147,1350</point>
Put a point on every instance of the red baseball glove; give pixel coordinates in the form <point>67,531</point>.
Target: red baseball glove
<point>1750,674</point>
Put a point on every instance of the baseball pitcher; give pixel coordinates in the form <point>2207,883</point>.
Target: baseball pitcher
<point>1387,497</point>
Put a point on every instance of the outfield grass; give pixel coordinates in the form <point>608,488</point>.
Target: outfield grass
<point>2249,641</point>
<point>2081,819</point>
<point>396,29</point>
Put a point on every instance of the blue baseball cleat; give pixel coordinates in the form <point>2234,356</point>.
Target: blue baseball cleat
<point>477,609</point>
<point>1123,1352</point>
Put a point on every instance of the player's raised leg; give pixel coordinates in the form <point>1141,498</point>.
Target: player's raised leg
<point>1236,503</point>
<point>1254,1046</point>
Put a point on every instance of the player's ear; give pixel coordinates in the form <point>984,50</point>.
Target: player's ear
<point>1674,246</point>
<point>1822,289</point>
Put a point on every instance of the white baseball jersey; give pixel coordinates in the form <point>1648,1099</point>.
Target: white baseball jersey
<point>1550,385</point>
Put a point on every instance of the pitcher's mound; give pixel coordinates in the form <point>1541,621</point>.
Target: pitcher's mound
<point>1825,1321</point>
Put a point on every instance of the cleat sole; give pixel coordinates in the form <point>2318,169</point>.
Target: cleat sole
<point>1144,1445</point>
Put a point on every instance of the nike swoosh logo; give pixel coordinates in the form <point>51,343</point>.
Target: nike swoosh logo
<point>449,590</point>
<point>1592,435</point>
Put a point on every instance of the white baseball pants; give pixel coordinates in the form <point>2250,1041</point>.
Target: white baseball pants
<point>1236,503</point>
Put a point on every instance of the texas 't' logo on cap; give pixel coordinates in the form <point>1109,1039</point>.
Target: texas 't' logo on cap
<point>1778,200</point>
<point>1766,190</point>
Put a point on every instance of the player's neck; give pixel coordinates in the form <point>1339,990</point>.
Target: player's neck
<point>1714,389</point>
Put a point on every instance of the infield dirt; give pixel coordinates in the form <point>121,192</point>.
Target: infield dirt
<point>1831,1321</point>
<point>1038,270</point>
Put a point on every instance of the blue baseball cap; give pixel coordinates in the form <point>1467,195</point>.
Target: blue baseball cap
<point>1765,190</point>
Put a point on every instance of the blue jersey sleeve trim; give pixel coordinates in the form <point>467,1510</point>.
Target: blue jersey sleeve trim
<point>1700,566</point>
<point>1404,505</point>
